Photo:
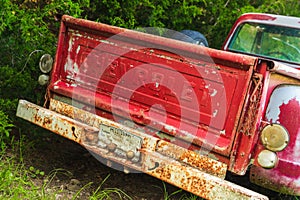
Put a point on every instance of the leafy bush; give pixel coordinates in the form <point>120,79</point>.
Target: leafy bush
<point>5,124</point>
<point>28,29</point>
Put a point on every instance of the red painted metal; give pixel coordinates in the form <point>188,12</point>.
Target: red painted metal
<point>201,91</point>
<point>283,108</point>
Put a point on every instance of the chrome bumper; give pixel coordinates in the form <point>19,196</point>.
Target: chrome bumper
<point>136,150</point>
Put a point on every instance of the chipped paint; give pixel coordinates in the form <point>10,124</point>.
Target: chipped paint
<point>215,113</point>
<point>223,132</point>
<point>283,108</point>
<point>286,70</point>
<point>281,95</point>
<point>213,92</point>
<point>78,49</point>
<point>170,128</point>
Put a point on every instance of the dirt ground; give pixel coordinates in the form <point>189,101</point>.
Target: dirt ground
<point>69,168</point>
<point>72,168</point>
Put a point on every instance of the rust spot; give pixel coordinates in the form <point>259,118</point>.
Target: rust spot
<point>198,185</point>
<point>192,158</point>
<point>47,121</point>
<point>164,173</point>
<point>90,136</point>
<point>111,147</point>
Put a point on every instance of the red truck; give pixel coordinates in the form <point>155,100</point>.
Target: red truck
<point>181,112</point>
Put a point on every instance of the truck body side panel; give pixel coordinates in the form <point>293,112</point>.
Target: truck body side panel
<point>283,108</point>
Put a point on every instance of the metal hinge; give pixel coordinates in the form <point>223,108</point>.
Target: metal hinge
<point>253,104</point>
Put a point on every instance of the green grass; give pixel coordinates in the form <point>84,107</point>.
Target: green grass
<point>20,181</point>
<point>177,194</point>
<point>17,180</point>
<point>109,193</point>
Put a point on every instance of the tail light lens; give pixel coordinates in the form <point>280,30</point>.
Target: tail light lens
<point>274,137</point>
<point>267,159</point>
<point>45,64</point>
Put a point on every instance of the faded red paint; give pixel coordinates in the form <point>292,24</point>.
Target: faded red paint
<point>219,87</point>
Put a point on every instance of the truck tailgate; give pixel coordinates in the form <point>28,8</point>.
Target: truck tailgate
<point>193,93</point>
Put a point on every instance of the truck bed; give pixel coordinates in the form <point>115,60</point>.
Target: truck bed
<point>168,88</point>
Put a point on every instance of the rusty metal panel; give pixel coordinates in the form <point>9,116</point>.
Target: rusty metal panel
<point>45,118</point>
<point>149,143</point>
<point>197,182</point>
<point>281,180</point>
<point>250,121</point>
<point>157,158</point>
<point>192,158</point>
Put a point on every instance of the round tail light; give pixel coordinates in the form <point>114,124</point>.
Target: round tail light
<point>45,64</point>
<point>275,137</point>
<point>267,159</point>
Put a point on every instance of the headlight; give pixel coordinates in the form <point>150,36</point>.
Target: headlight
<point>275,137</point>
<point>45,64</point>
<point>267,159</point>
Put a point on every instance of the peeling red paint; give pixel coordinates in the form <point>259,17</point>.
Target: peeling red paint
<point>283,108</point>
<point>290,118</point>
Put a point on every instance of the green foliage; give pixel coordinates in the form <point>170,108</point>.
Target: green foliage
<point>35,172</point>
<point>287,7</point>
<point>108,193</point>
<point>166,195</point>
<point>213,18</point>
<point>14,182</point>
<point>28,29</point>
<point>5,125</point>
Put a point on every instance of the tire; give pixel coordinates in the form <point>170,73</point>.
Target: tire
<point>191,36</point>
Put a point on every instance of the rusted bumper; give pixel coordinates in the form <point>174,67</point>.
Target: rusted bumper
<point>192,172</point>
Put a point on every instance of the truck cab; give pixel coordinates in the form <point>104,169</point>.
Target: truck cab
<point>268,36</point>
<point>275,38</point>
